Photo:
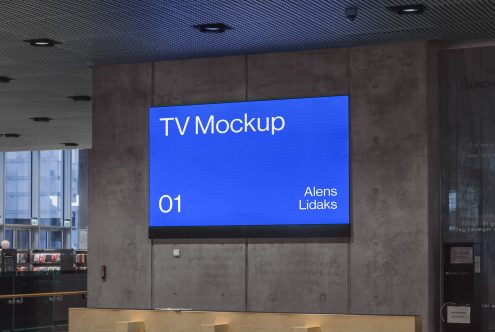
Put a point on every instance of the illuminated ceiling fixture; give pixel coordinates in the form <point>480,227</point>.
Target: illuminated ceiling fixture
<point>212,27</point>
<point>408,9</point>
<point>42,42</point>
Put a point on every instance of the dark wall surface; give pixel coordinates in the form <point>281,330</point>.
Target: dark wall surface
<point>468,171</point>
<point>388,265</point>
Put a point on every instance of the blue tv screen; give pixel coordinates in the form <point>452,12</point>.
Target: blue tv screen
<point>273,168</point>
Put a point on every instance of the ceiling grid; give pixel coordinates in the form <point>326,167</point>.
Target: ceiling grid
<point>93,32</point>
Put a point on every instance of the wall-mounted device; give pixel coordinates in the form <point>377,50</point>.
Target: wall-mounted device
<point>272,168</point>
<point>460,310</point>
<point>103,272</point>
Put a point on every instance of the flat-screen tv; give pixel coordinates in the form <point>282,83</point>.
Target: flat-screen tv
<point>272,168</point>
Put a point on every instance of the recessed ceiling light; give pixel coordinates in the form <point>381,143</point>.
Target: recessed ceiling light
<point>212,27</point>
<point>80,98</point>
<point>10,135</point>
<point>42,42</point>
<point>5,79</point>
<point>70,144</point>
<point>408,9</point>
<point>41,119</point>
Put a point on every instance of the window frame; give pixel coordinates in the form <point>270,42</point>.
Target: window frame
<point>35,230</point>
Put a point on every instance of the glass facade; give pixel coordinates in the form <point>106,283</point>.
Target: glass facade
<point>39,199</point>
<point>43,244</point>
<point>17,188</point>
<point>9,235</point>
<point>51,188</point>
<point>23,239</point>
<point>74,201</point>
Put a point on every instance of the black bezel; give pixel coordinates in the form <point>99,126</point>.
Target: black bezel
<point>334,230</point>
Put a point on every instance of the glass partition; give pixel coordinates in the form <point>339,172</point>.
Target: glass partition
<point>40,301</point>
<point>467,154</point>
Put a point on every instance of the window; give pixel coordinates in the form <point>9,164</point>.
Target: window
<point>51,188</point>
<point>23,239</point>
<point>43,239</point>
<point>18,238</point>
<point>9,236</point>
<point>55,239</point>
<point>50,239</point>
<point>74,188</point>
<point>74,194</point>
<point>18,188</point>
<point>40,199</point>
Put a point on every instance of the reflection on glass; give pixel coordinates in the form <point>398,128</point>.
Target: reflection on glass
<point>55,240</point>
<point>18,188</point>
<point>34,186</point>
<point>43,239</point>
<point>9,236</point>
<point>74,194</point>
<point>51,188</point>
<point>23,239</point>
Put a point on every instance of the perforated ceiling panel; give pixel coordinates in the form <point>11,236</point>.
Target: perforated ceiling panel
<point>97,32</point>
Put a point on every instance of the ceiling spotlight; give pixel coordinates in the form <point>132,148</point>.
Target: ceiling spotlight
<point>41,119</point>
<point>70,144</point>
<point>42,42</point>
<point>408,9</point>
<point>4,79</point>
<point>212,27</point>
<point>10,135</point>
<point>80,98</point>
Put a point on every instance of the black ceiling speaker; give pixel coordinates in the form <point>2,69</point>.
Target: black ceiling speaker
<point>4,79</point>
<point>41,119</point>
<point>80,98</point>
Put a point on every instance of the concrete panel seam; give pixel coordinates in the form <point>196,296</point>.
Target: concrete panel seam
<point>246,275</point>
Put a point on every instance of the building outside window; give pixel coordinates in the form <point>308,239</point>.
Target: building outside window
<point>39,199</point>
<point>17,188</point>
<point>74,201</point>
<point>43,244</point>
<point>23,239</point>
<point>56,239</point>
<point>51,188</point>
<point>9,235</point>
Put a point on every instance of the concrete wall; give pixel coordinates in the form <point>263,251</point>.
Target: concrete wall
<point>83,199</point>
<point>387,267</point>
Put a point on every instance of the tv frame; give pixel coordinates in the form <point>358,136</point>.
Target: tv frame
<point>257,231</point>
